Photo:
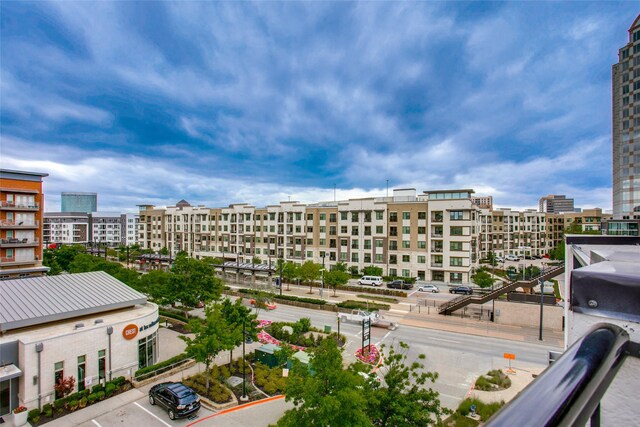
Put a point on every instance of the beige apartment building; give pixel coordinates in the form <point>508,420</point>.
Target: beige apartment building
<point>432,236</point>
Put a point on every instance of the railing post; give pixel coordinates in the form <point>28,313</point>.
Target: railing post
<point>595,417</point>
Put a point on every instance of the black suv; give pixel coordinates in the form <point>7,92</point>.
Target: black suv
<point>461,290</point>
<point>178,399</point>
<point>399,284</point>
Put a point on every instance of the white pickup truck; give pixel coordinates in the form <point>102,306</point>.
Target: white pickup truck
<point>358,315</point>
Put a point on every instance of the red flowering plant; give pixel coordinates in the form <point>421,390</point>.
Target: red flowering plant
<point>19,409</point>
<point>368,355</point>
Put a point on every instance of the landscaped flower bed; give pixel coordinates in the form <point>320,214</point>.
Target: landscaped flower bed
<point>78,400</point>
<point>371,357</point>
<point>265,338</point>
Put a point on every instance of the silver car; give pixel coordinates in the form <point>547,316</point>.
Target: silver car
<point>429,288</point>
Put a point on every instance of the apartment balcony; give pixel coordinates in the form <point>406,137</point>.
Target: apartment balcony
<point>437,250</point>
<point>19,243</point>
<point>25,225</point>
<point>437,235</point>
<point>12,206</point>
<point>11,261</point>
<point>436,264</point>
<point>437,218</point>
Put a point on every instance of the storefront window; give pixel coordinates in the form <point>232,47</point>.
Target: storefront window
<point>101,366</point>
<point>57,376</point>
<point>81,372</point>
<point>147,351</point>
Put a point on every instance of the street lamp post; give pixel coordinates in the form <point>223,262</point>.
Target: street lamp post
<point>281,265</point>
<point>323,270</point>
<point>541,305</point>
<point>244,383</point>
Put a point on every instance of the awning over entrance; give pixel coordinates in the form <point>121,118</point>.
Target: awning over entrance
<point>8,372</point>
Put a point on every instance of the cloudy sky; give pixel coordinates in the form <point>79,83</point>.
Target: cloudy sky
<point>219,103</point>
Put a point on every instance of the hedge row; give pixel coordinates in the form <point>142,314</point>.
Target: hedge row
<point>173,315</point>
<point>286,297</point>
<point>161,367</point>
<point>351,304</point>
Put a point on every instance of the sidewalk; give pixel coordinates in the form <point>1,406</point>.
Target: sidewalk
<point>482,328</point>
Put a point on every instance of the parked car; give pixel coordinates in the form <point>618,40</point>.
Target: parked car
<point>269,305</point>
<point>370,280</point>
<point>429,288</point>
<point>178,399</point>
<point>461,290</point>
<point>499,259</point>
<point>512,257</point>
<point>399,284</point>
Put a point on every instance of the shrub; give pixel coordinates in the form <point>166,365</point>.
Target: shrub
<point>305,324</point>
<point>119,381</point>
<point>59,403</point>
<point>482,383</point>
<point>73,405</point>
<point>100,395</point>
<point>363,305</point>
<point>82,402</point>
<point>488,409</point>
<point>161,367</point>
<point>92,398</point>
<point>47,410</point>
<point>97,388</point>
<point>172,315</point>
<point>34,416</point>
<point>109,389</point>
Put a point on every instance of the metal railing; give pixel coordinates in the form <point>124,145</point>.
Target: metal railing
<point>568,392</point>
<point>458,303</point>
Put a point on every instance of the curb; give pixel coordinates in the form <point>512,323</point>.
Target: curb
<point>237,408</point>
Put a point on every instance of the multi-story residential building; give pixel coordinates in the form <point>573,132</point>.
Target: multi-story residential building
<point>113,229</point>
<point>626,128</point>
<point>66,227</point>
<point>483,202</point>
<point>78,202</point>
<point>555,203</point>
<point>504,231</point>
<point>431,236</point>
<point>21,210</point>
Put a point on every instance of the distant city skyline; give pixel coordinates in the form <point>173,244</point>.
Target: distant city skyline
<point>220,103</point>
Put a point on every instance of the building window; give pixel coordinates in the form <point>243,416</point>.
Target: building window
<point>406,258</point>
<point>422,230</point>
<point>332,217</point>
<point>323,217</point>
<point>455,277</point>
<point>379,258</point>
<point>379,215</point>
<point>81,372</point>
<point>406,230</point>
<point>406,273</point>
<point>455,262</point>
<point>393,272</point>
<point>422,244</point>
<point>455,215</point>
<point>58,375</point>
<point>406,244</point>
<point>147,351</point>
<point>406,215</point>
<point>102,366</point>
<point>393,259</point>
<point>354,257</point>
<point>456,231</point>
<point>343,216</point>
<point>455,246</point>
<point>379,243</point>
<point>393,216</point>
<point>422,259</point>
<point>422,215</point>
<point>379,229</point>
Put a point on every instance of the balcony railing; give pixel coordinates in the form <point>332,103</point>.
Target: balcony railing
<point>569,391</point>
<point>12,242</point>
<point>438,250</point>
<point>19,206</point>
<point>437,235</point>
<point>19,224</point>
<point>13,261</point>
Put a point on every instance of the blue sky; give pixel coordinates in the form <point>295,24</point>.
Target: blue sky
<point>220,103</point>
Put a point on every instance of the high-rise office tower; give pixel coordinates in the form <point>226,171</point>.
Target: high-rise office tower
<point>555,203</point>
<point>79,202</point>
<point>626,128</point>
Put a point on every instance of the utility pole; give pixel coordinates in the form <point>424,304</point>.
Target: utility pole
<point>281,265</point>
<point>541,305</point>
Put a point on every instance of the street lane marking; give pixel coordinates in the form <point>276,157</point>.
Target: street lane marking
<point>152,414</point>
<point>383,338</point>
<point>96,423</point>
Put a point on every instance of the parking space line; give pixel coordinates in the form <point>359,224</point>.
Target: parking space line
<point>152,414</point>
<point>96,423</point>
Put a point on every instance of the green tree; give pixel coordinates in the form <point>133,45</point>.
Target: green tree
<point>210,337</point>
<point>482,278</point>
<point>372,271</point>
<point>164,251</point>
<point>309,272</point>
<point>335,278</point>
<point>192,281</point>
<point>290,272</point>
<point>235,314</point>
<point>404,398</point>
<point>331,396</point>
<point>353,270</point>
<point>65,254</point>
<point>341,266</point>
<point>256,260</point>
<point>557,253</point>
<point>156,284</point>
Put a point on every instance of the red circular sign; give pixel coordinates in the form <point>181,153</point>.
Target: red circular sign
<point>130,331</point>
